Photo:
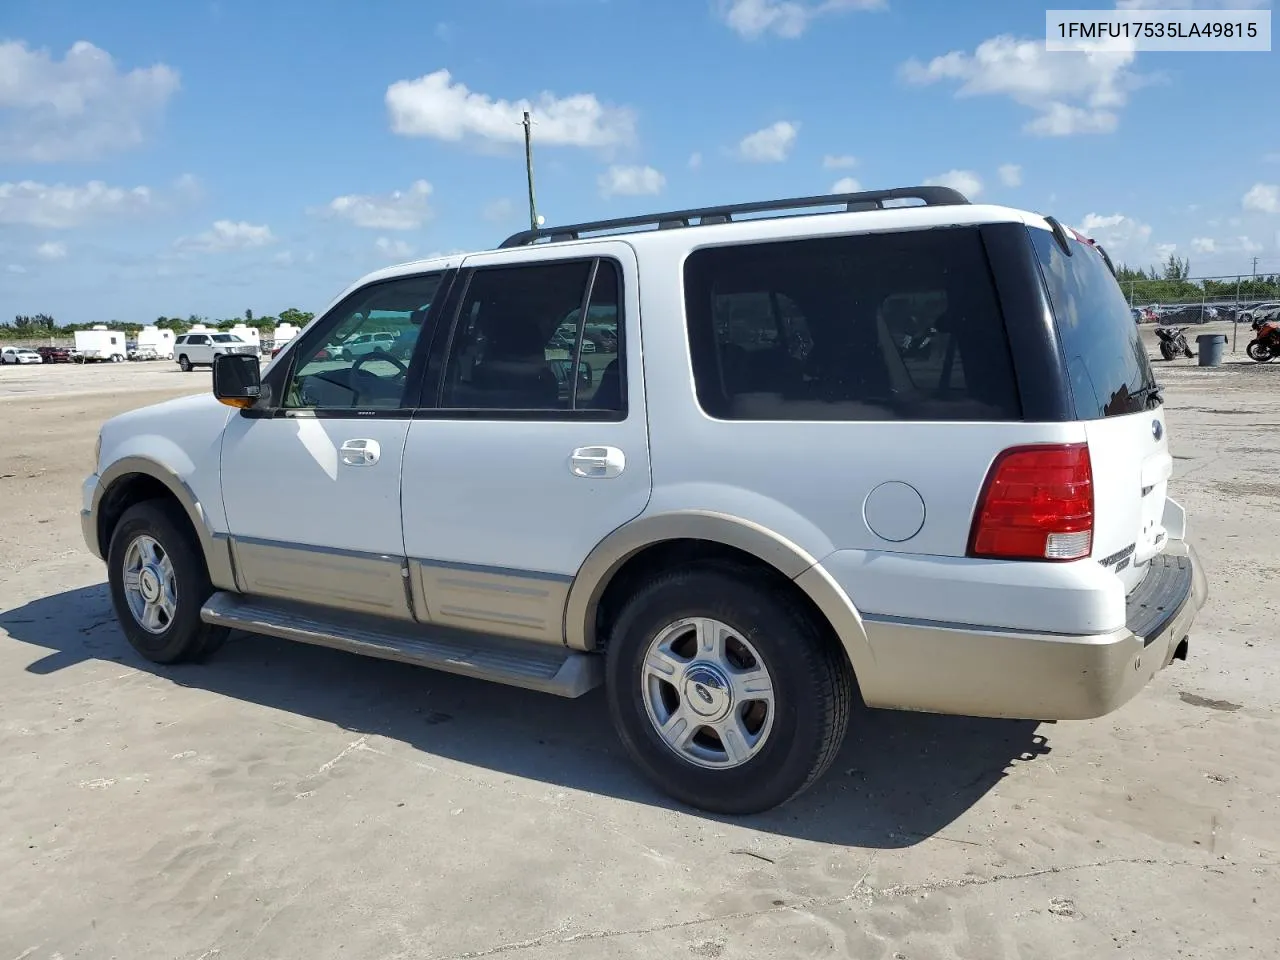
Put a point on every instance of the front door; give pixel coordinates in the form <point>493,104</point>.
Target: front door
<point>311,484</point>
<point>533,444</point>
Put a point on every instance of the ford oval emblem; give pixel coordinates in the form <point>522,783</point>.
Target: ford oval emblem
<point>1157,429</point>
<point>702,692</point>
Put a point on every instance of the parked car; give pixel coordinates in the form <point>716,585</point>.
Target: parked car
<point>1184,316</point>
<point>1250,314</point>
<point>54,354</point>
<point>365,343</point>
<point>199,349</point>
<point>767,511</point>
<point>20,355</point>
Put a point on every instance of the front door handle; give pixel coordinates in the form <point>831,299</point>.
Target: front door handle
<point>597,463</point>
<point>361,453</point>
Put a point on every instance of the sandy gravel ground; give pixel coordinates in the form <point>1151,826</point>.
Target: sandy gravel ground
<point>293,802</point>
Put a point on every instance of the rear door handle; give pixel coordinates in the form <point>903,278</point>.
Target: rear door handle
<point>597,463</point>
<point>361,453</point>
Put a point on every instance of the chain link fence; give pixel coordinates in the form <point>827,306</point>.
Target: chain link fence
<point>1226,296</point>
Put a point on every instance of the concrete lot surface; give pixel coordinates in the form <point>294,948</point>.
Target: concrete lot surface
<point>293,802</point>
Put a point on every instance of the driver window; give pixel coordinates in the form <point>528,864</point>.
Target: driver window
<point>359,358</point>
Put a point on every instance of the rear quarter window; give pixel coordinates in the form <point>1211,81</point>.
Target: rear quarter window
<point>887,326</point>
<point>1102,347</point>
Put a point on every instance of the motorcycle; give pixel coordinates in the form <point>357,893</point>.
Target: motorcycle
<point>1173,342</point>
<point>1266,345</point>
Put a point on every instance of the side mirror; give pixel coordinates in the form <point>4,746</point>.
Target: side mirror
<point>237,379</point>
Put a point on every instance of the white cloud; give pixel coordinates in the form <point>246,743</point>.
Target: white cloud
<point>398,210</point>
<point>1272,157</point>
<point>695,161</point>
<point>771,145</point>
<point>81,107</point>
<point>1010,174</point>
<point>51,250</point>
<point>966,181</point>
<point>631,182</point>
<point>228,235</point>
<point>1264,197</point>
<point>59,206</point>
<point>16,268</point>
<point>1191,4</point>
<point>499,210</point>
<point>1124,238</point>
<point>434,106</point>
<point>1071,92</point>
<point>846,185</point>
<point>838,162</point>
<point>393,249</point>
<point>784,18</point>
<point>1231,246</point>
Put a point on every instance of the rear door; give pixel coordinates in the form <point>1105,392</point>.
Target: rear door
<point>1116,396</point>
<point>512,473</point>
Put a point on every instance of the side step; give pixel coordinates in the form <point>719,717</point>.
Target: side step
<point>534,666</point>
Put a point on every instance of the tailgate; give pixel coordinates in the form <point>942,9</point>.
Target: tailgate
<point>1131,470</point>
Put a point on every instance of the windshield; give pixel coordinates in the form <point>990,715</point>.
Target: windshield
<point>1107,363</point>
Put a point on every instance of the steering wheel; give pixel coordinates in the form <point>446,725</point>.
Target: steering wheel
<point>380,355</point>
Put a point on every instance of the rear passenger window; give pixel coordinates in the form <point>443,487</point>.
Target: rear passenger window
<point>1106,361</point>
<point>522,342</point>
<point>898,326</point>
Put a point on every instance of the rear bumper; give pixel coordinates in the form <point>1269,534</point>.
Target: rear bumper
<point>960,669</point>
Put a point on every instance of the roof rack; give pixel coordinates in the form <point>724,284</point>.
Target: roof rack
<point>867,200</point>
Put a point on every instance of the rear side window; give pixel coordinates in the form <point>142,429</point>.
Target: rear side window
<point>1106,361</point>
<point>890,326</point>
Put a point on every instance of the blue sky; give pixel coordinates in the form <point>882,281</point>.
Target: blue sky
<point>210,156</point>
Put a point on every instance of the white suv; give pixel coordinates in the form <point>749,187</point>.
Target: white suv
<point>200,349</point>
<point>914,453</point>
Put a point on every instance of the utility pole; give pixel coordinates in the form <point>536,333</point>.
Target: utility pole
<point>1255,268</point>
<point>528,165</point>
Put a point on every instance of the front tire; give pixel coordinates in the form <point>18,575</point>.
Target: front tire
<point>724,691</point>
<point>159,583</point>
<point>1167,350</point>
<point>1258,351</point>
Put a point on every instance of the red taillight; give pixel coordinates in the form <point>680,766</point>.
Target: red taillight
<point>1037,504</point>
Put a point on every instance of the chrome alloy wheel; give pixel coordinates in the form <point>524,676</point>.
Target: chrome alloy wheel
<point>708,693</point>
<point>149,584</point>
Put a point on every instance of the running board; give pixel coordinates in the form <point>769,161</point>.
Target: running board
<point>534,666</point>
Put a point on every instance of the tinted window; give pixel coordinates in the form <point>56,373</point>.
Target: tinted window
<point>899,326</point>
<point>521,342</point>
<point>338,368</point>
<point>198,338</point>
<point>1106,361</point>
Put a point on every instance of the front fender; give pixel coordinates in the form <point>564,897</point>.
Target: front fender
<point>213,545</point>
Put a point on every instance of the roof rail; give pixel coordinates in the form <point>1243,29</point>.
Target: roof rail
<point>867,200</point>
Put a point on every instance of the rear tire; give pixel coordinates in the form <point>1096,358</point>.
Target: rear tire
<point>159,583</point>
<point>184,364</point>
<point>783,728</point>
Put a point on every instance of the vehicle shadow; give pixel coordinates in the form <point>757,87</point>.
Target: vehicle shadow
<point>900,778</point>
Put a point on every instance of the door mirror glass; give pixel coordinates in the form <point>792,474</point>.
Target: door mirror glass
<point>237,379</point>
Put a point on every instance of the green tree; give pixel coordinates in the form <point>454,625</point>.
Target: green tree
<point>40,323</point>
<point>296,317</point>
